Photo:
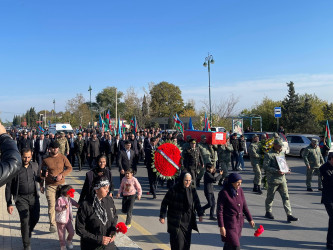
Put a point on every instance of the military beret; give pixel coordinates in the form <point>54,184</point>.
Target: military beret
<point>203,137</point>
<point>278,142</point>
<point>79,134</point>
<point>276,135</point>
<point>193,141</point>
<point>314,140</point>
<point>54,144</point>
<point>255,135</point>
<point>188,137</point>
<point>62,133</point>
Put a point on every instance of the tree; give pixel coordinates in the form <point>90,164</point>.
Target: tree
<point>189,109</point>
<point>133,104</point>
<point>266,110</point>
<point>316,105</point>
<point>166,100</point>
<point>106,100</point>
<point>79,111</point>
<point>307,119</point>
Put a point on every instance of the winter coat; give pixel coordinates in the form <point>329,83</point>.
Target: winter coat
<point>230,214</point>
<point>11,161</point>
<point>173,202</point>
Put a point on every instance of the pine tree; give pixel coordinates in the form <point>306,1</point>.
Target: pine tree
<point>290,109</point>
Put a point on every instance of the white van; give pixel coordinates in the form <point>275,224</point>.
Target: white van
<point>60,127</point>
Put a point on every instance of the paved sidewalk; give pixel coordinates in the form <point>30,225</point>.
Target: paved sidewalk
<point>10,234</point>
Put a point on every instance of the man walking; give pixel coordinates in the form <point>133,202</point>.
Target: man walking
<point>254,152</point>
<point>24,188</point>
<point>313,160</point>
<point>79,150</point>
<point>148,162</point>
<point>326,172</point>
<point>58,167</point>
<point>41,149</point>
<point>276,181</point>
<point>126,160</point>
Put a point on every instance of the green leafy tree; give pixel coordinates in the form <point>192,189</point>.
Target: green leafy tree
<point>166,100</point>
<point>106,100</point>
<point>79,110</point>
<point>306,119</point>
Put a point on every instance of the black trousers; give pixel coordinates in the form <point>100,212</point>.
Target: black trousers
<point>109,161</point>
<point>211,203</point>
<point>234,157</point>
<point>71,156</point>
<point>181,240</point>
<point>80,159</point>
<point>127,207</point>
<point>329,239</point>
<point>29,209</point>
<point>152,180</point>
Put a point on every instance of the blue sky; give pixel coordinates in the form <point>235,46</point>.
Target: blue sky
<point>56,49</point>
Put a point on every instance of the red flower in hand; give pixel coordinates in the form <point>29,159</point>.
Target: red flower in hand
<point>71,192</point>
<point>259,231</point>
<point>121,228</point>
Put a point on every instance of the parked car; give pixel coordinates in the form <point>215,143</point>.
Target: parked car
<point>218,129</point>
<point>249,135</point>
<point>298,142</point>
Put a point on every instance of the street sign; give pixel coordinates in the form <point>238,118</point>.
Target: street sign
<point>277,112</point>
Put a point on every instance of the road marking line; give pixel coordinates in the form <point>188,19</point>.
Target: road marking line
<point>137,226</point>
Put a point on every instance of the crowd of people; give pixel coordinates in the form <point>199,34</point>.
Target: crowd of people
<point>47,159</point>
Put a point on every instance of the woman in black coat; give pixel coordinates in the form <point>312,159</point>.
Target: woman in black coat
<point>100,170</point>
<point>231,207</point>
<point>96,218</point>
<point>181,203</point>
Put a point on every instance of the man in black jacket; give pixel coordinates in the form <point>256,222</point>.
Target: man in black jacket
<point>24,142</point>
<point>41,149</point>
<point>24,188</point>
<point>108,150</point>
<point>126,160</point>
<point>234,155</point>
<point>93,150</point>
<point>11,162</point>
<point>149,162</point>
<point>326,172</point>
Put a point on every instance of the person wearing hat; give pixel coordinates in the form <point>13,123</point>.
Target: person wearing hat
<point>324,148</point>
<point>327,196</point>
<point>186,145</point>
<point>57,167</point>
<point>313,159</point>
<point>79,150</point>
<point>224,158</point>
<point>208,155</point>
<point>231,208</point>
<point>97,218</point>
<point>235,153</point>
<point>276,181</point>
<point>63,144</point>
<point>254,153</point>
<point>193,161</point>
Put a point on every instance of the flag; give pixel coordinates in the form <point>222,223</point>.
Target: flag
<point>119,129</point>
<point>206,124</point>
<point>108,120</point>
<point>123,127</point>
<point>178,124</point>
<point>190,125</point>
<point>101,122</point>
<point>135,125</point>
<point>40,129</point>
<point>328,135</point>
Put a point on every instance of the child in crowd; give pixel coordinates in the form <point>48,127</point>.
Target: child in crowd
<point>209,179</point>
<point>129,186</point>
<point>64,215</point>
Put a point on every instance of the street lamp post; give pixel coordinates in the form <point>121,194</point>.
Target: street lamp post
<point>90,89</point>
<point>209,60</point>
<point>53,109</point>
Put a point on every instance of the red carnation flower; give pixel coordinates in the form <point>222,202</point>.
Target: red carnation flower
<point>121,228</point>
<point>71,192</point>
<point>259,231</point>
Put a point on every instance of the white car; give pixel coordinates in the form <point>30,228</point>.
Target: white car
<point>298,142</point>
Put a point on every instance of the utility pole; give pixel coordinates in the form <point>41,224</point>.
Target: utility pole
<point>116,109</point>
<point>90,89</point>
<point>53,109</point>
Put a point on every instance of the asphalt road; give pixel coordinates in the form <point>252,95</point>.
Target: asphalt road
<point>308,233</point>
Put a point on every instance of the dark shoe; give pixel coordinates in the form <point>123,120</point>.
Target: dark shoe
<point>269,215</point>
<point>27,247</point>
<point>259,190</point>
<point>213,218</point>
<point>154,196</point>
<point>309,189</point>
<point>52,229</point>
<point>255,188</point>
<point>320,189</point>
<point>291,218</point>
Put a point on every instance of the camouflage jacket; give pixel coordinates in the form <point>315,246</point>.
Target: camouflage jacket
<point>313,157</point>
<point>254,153</point>
<point>272,168</point>
<point>224,152</point>
<point>207,153</point>
<point>63,146</point>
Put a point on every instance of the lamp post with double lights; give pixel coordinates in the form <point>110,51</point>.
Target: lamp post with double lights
<point>209,60</point>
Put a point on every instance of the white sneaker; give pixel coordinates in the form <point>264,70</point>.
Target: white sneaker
<point>69,244</point>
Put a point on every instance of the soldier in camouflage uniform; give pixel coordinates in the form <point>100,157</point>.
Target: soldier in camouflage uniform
<point>313,159</point>
<point>276,181</point>
<point>254,153</point>
<point>208,156</point>
<point>79,150</point>
<point>193,161</point>
<point>63,144</point>
<point>224,158</point>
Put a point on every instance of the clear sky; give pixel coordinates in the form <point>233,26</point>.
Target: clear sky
<point>55,49</point>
